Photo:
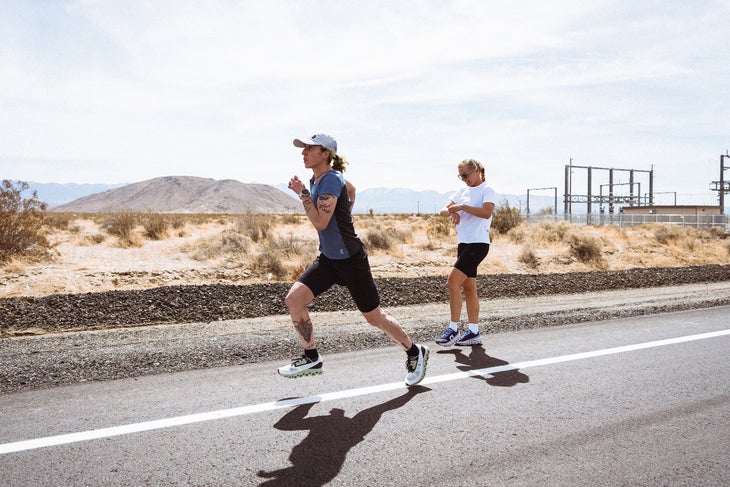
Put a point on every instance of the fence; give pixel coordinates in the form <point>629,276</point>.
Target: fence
<point>634,219</point>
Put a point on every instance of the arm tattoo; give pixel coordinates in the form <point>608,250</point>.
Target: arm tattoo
<point>305,330</point>
<point>326,202</point>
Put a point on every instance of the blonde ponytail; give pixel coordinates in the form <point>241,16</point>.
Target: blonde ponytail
<point>339,163</point>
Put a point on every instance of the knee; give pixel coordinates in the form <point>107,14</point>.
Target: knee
<point>290,301</point>
<point>376,318</point>
<point>296,298</point>
<point>453,285</point>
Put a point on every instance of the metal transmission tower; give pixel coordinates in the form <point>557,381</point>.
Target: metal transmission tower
<point>590,198</point>
<point>722,186</point>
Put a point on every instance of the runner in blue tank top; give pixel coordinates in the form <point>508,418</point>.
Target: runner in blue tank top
<point>342,260</point>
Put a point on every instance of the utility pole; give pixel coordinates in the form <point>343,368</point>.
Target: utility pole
<point>722,186</point>
<point>722,182</point>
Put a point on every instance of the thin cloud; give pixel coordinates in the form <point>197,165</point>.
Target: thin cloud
<point>124,91</point>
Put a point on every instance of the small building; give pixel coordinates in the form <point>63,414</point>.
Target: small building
<point>686,215</point>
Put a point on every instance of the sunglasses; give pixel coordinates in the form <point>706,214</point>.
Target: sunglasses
<point>464,176</point>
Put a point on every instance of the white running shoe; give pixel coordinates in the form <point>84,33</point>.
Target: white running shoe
<point>301,366</point>
<point>416,366</point>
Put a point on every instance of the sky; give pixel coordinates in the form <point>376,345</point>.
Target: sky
<point>96,91</point>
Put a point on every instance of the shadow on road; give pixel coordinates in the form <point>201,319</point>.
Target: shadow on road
<point>478,359</point>
<point>320,456</point>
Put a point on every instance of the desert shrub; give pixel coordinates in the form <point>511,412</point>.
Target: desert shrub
<point>528,257</point>
<point>297,270</point>
<point>385,238</point>
<point>255,226</point>
<point>196,218</point>
<point>686,237</point>
<point>403,236</point>
<point>665,234</point>
<point>550,232</point>
<point>378,239</point>
<point>121,224</point>
<point>438,226</point>
<point>233,243</point>
<point>177,222</point>
<point>585,248</point>
<point>290,219</point>
<point>691,241</point>
<point>269,264</point>
<point>717,232</point>
<point>205,250</point>
<point>21,222</point>
<point>94,239</point>
<point>228,243</point>
<point>518,234</point>
<point>290,245</point>
<point>506,217</point>
<point>58,221</point>
<point>156,226</point>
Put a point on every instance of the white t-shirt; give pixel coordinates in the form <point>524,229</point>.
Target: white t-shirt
<point>472,229</point>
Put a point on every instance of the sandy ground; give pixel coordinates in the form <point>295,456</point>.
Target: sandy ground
<point>79,265</point>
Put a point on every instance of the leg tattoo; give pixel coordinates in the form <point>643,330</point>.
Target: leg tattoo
<point>305,330</point>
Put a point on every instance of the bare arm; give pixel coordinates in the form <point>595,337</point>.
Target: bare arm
<point>445,210</point>
<point>485,211</point>
<point>321,213</point>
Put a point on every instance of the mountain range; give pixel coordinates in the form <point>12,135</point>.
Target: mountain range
<point>187,194</point>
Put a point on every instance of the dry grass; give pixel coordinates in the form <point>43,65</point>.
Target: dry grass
<point>134,251</point>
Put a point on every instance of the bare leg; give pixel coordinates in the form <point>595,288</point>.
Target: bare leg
<point>296,301</point>
<point>454,283</point>
<point>472,299</point>
<point>390,326</point>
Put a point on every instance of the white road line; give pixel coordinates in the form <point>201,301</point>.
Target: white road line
<point>126,429</point>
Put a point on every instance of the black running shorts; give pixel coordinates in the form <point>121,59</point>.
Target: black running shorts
<point>469,256</point>
<point>353,273</point>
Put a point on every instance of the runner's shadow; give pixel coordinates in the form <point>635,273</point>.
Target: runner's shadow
<point>320,456</point>
<point>478,359</point>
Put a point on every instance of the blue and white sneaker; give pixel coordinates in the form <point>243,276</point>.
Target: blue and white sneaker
<point>301,366</point>
<point>469,338</point>
<point>448,337</point>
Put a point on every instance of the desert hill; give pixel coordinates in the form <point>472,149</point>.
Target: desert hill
<point>187,194</point>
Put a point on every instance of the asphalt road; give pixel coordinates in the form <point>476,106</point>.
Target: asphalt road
<point>635,401</point>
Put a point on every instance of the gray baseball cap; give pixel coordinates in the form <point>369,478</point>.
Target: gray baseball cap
<point>325,140</point>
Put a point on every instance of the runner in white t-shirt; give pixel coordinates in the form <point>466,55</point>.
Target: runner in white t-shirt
<point>470,208</point>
